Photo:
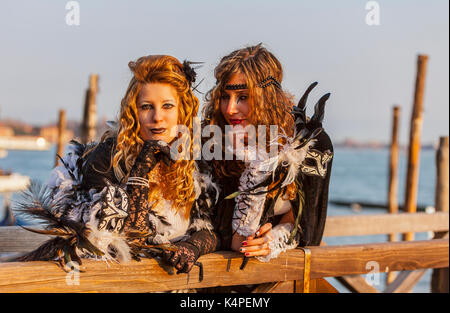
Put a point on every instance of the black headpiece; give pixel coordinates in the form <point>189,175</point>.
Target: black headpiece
<point>189,71</point>
<point>270,80</point>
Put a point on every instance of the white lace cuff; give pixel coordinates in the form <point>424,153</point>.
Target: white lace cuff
<point>280,234</point>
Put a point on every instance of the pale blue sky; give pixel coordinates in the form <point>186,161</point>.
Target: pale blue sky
<point>45,64</point>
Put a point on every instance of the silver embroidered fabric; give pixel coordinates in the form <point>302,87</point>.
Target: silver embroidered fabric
<point>249,207</point>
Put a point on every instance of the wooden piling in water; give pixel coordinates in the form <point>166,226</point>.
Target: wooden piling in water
<point>439,278</point>
<point>412,178</point>
<point>393,178</point>
<point>89,123</point>
<point>61,135</point>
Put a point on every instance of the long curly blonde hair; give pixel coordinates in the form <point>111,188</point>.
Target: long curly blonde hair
<point>178,178</point>
<point>268,106</point>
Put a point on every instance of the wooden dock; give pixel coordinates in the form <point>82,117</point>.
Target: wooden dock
<point>297,270</point>
<point>284,274</point>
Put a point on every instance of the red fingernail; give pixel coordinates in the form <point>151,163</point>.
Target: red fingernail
<point>247,254</point>
<point>244,243</point>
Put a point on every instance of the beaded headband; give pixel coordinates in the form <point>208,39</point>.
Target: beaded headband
<point>270,80</point>
<point>236,87</point>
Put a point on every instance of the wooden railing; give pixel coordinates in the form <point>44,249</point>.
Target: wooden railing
<point>222,268</point>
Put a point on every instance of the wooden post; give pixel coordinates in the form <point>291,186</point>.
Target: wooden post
<point>412,178</point>
<point>439,278</point>
<point>89,123</point>
<point>393,178</point>
<point>61,135</point>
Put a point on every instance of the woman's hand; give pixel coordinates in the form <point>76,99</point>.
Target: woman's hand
<point>258,245</point>
<point>152,151</point>
<point>183,258</point>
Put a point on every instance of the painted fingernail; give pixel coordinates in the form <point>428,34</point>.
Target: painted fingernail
<point>247,254</point>
<point>242,249</point>
<point>244,243</point>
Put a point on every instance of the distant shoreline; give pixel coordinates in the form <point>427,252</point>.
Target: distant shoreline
<point>367,146</point>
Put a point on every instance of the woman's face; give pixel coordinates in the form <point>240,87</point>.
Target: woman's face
<point>234,104</point>
<point>157,106</point>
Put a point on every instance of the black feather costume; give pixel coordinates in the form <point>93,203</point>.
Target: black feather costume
<point>94,213</point>
<point>309,155</point>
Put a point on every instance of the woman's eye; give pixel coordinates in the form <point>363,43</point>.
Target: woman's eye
<point>168,105</point>
<point>243,97</point>
<point>146,106</point>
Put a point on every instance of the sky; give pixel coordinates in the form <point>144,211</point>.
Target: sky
<point>45,63</point>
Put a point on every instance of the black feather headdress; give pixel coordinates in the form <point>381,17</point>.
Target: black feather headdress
<point>189,71</point>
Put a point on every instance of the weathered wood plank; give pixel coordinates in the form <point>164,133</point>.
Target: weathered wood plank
<point>276,287</point>
<point>16,239</point>
<point>374,224</point>
<point>439,278</point>
<point>89,122</point>
<point>415,132</point>
<point>61,136</point>
<point>393,178</point>
<point>395,256</point>
<point>319,285</point>
<point>357,284</point>
<point>147,275</point>
<point>405,281</point>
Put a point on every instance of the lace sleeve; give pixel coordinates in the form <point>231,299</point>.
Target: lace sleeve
<point>152,152</point>
<point>249,207</point>
<point>279,244</point>
<point>206,241</point>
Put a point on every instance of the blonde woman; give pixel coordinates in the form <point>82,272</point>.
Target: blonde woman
<point>127,196</point>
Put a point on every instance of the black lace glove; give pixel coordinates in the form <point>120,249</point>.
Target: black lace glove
<point>200,243</point>
<point>138,187</point>
<point>184,258</point>
<point>151,153</point>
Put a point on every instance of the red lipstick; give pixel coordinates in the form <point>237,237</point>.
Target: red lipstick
<point>236,121</point>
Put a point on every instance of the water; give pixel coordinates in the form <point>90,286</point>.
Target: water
<point>362,175</point>
<point>357,175</point>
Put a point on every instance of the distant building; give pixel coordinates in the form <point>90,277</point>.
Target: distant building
<point>6,131</point>
<point>50,133</point>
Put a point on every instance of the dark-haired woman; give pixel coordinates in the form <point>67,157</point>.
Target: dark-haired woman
<point>276,201</point>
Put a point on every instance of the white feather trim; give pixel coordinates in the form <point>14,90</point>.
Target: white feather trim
<point>105,240</point>
<point>203,182</point>
<point>249,207</point>
<point>178,224</point>
<point>199,224</point>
